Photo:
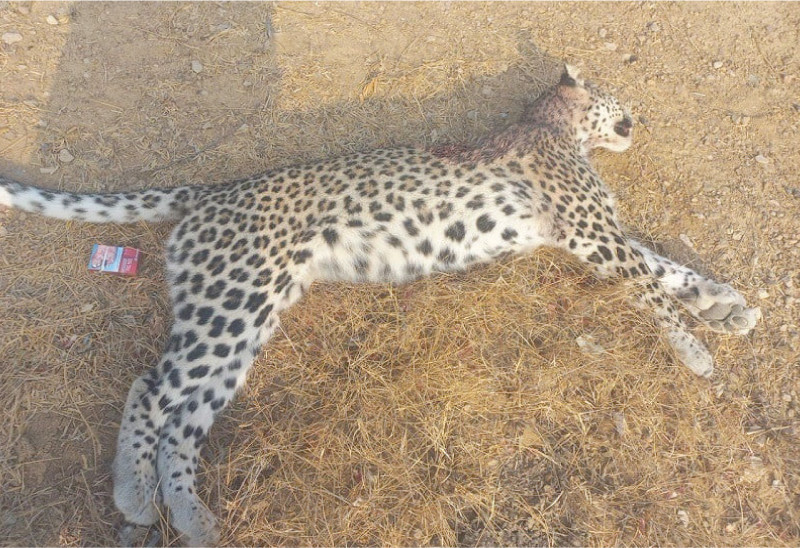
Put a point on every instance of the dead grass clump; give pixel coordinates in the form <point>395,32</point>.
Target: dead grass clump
<point>382,417</point>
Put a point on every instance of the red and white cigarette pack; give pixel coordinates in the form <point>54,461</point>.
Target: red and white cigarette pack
<point>115,260</point>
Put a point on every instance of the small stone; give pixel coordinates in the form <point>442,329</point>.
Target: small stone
<point>603,33</point>
<point>611,46</point>
<point>630,58</point>
<point>197,66</point>
<point>683,517</point>
<point>48,170</point>
<point>755,472</point>
<point>65,156</point>
<point>24,10</point>
<point>685,239</point>
<point>587,344</point>
<point>51,20</point>
<point>763,294</point>
<point>653,26</point>
<point>787,398</point>
<point>11,38</point>
<point>753,80</point>
<point>3,231</point>
<point>717,64</point>
<point>761,159</point>
<point>620,424</point>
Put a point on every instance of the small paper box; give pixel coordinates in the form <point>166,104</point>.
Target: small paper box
<point>113,259</point>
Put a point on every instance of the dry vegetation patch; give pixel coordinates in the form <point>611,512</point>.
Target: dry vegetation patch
<point>521,403</point>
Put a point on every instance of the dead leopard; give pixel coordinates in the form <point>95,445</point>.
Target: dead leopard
<point>244,251</point>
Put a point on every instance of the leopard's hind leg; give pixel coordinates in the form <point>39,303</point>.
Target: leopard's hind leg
<point>187,428</point>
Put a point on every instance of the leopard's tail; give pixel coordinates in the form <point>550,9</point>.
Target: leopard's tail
<point>115,207</point>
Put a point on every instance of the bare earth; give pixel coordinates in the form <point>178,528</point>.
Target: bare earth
<point>458,410</point>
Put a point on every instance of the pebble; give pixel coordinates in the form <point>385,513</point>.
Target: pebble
<point>761,159</point>
<point>717,64</point>
<point>629,58</point>
<point>11,38</point>
<point>48,170</point>
<point>587,344</point>
<point>611,46</point>
<point>653,26</point>
<point>51,20</point>
<point>197,66</point>
<point>683,517</point>
<point>65,156</point>
<point>763,293</point>
<point>603,33</point>
<point>755,472</point>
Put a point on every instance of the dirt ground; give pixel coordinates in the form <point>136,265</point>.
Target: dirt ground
<point>458,410</point>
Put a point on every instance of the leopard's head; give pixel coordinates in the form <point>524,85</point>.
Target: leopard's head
<point>598,118</point>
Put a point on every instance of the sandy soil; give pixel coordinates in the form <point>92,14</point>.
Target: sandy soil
<point>456,410</point>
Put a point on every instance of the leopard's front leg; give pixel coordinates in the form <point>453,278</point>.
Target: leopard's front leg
<point>610,255</point>
<point>717,305</point>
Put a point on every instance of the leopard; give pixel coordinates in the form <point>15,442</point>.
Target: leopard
<point>244,251</point>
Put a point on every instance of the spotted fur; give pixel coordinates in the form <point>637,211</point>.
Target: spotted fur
<point>244,251</point>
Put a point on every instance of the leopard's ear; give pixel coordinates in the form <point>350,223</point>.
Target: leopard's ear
<point>569,77</point>
<point>573,71</point>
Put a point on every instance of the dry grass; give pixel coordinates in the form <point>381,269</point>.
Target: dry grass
<point>458,410</point>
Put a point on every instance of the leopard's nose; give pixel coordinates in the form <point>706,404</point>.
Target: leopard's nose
<point>623,127</point>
